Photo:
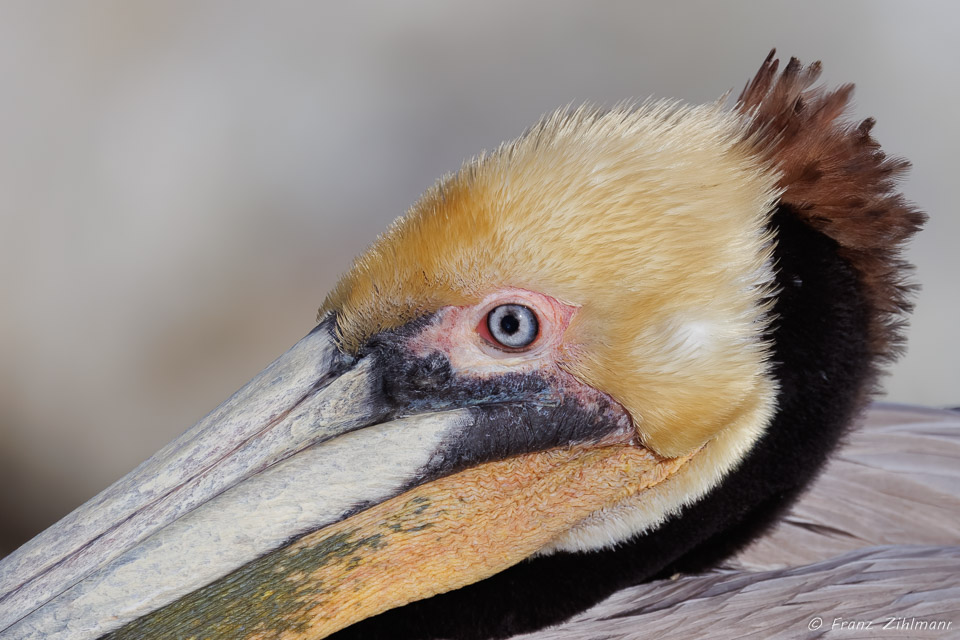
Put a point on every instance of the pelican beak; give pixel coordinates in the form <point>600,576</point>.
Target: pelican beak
<point>329,488</point>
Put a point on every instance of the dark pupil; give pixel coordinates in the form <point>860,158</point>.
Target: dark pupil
<point>510,324</point>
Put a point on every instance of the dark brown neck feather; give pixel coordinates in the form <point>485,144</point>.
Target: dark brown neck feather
<point>839,182</point>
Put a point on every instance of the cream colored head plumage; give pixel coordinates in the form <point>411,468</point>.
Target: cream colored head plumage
<point>651,222</point>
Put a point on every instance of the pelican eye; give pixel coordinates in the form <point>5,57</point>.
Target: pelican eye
<point>513,325</point>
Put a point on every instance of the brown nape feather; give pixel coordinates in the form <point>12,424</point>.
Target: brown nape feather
<point>837,180</point>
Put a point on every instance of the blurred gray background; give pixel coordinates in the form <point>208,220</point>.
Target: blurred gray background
<point>182,182</point>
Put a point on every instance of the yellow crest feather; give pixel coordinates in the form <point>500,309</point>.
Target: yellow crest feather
<point>652,221</point>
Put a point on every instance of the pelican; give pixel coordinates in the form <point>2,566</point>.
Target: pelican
<point>613,350</point>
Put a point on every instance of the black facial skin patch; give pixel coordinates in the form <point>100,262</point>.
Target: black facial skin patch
<point>512,413</point>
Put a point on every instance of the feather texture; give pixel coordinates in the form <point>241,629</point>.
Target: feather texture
<point>897,481</point>
<point>876,538</point>
<point>651,222</point>
<point>892,586</point>
<point>837,179</point>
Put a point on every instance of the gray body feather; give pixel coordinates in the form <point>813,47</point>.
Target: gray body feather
<point>872,550</point>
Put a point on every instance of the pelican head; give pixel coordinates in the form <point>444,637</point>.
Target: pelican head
<point>611,349</point>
